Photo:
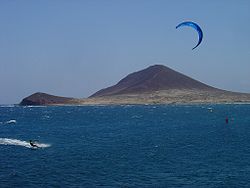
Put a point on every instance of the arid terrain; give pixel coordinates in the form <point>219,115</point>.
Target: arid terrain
<point>156,84</point>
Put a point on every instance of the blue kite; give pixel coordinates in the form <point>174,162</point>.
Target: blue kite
<point>196,27</point>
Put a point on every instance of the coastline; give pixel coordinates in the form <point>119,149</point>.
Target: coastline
<point>156,84</point>
<point>165,97</point>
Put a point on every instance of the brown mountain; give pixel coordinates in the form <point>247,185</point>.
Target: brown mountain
<point>153,78</point>
<point>154,85</point>
<point>46,99</point>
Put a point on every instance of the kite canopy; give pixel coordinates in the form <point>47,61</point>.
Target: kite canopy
<point>196,27</point>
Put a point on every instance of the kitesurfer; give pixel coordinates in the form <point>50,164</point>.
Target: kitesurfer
<point>32,144</point>
<point>226,120</point>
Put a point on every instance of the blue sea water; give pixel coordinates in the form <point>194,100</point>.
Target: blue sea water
<point>125,146</point>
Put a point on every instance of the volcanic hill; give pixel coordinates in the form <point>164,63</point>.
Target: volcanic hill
<point>156,84</point>
<point>153,78</point>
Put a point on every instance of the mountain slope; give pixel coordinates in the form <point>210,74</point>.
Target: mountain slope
<point>156,84</point>
<point>153,78</point>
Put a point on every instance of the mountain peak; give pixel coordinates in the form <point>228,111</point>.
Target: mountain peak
<point>153,78</point>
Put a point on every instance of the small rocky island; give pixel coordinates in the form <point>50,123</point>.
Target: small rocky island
<point>46,99</point>
<point>156,84</point>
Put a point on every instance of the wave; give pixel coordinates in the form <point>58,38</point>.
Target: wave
<point>34,106</point>
<point>7,105</point>
<point>12,121</point>
<point>15,142</point>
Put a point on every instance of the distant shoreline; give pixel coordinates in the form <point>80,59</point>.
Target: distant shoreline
<point>163,104</point>
<point>96,105</point>
<point>153,98</point>
<point>130,104</point>
<point>156,84</point>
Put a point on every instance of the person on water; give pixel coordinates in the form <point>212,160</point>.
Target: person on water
<point>32,144</point>
<point>226,120</point>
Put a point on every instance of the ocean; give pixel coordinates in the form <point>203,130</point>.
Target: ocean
<point>125,146</point>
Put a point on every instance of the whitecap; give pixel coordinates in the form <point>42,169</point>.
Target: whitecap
<point>7,105</point>
<point>34,106</point>
<point>136,116</point>
<point>12,121</point>
<point>210,109</point>
<point>46,117</point>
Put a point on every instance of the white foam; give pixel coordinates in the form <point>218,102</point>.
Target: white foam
<point>46,117</point>
<point>15,142</point>
<point>12,121</point>
<point>31,106</point>
<point>7,105</point>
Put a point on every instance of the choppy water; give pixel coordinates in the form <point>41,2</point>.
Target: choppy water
<point>125,146</point>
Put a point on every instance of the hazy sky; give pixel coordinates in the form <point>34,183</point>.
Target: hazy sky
<point>74,48</point>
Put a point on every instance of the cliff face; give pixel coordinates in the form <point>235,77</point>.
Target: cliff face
<point>153,78</point>
<point>45,99</point>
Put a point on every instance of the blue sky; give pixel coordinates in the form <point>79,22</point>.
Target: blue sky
<point>74,48</point>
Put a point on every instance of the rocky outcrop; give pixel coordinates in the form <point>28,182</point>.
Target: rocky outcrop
<point>46,99</point>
